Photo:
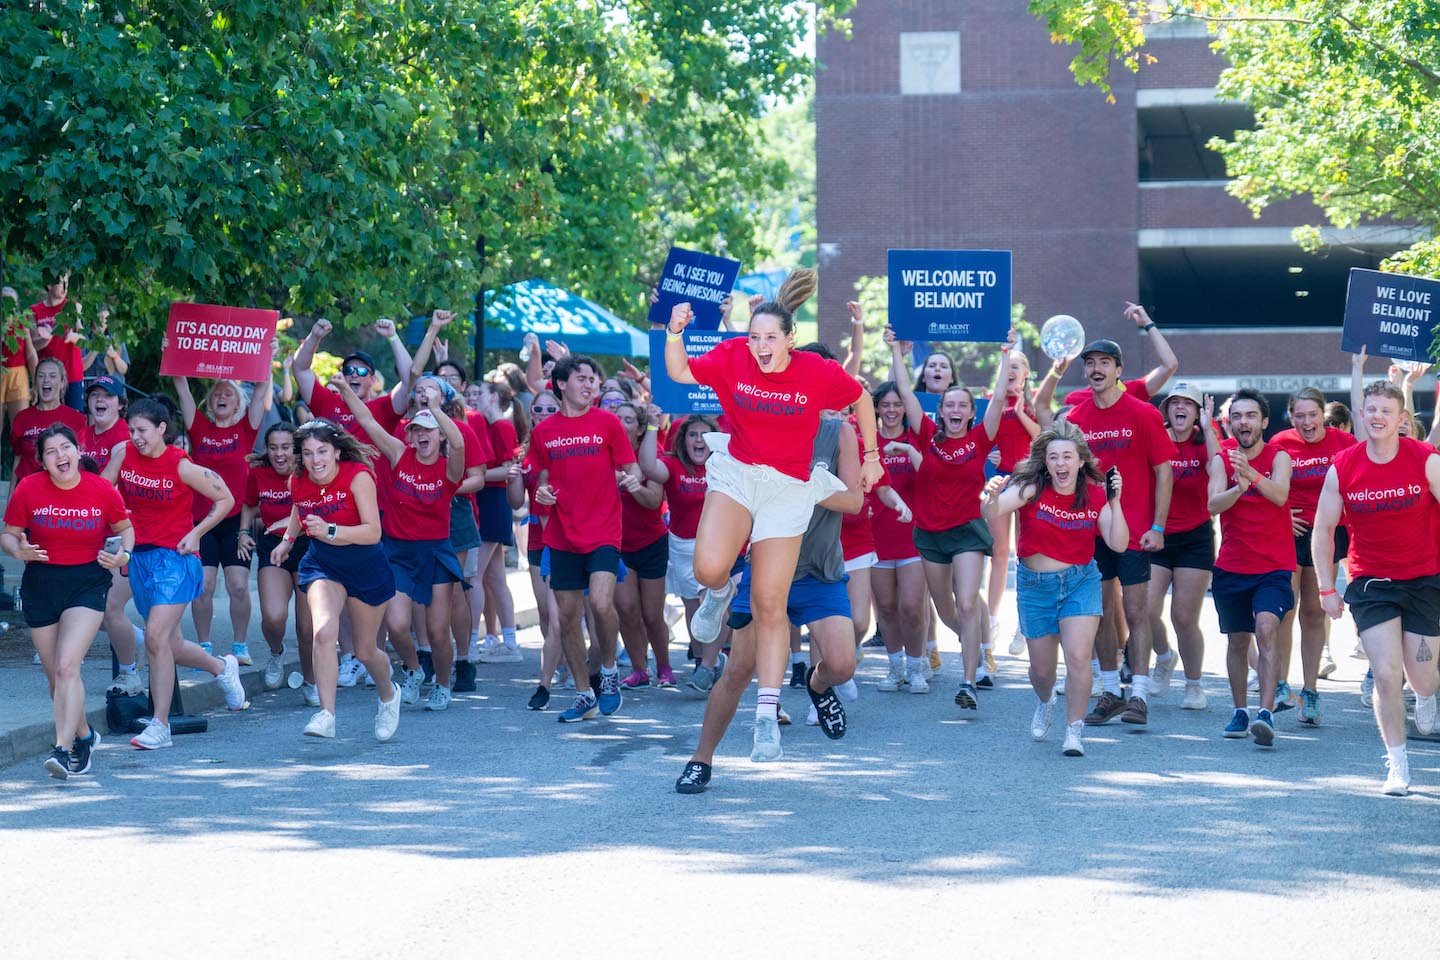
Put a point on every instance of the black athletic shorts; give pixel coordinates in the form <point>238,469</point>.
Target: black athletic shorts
<point>269,541</point>
<point>1132,566</point>
<point>571,571</point>
<point>49,589</point>
<point>1376,600</point>
<point>1303,552</point>
<point>1193,549</point>
<point>221,546</point>
<point>649,563</point>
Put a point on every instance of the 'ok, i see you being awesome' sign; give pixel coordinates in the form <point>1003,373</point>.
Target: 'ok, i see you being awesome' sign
<point>950,294</point>
<point>231,343</point>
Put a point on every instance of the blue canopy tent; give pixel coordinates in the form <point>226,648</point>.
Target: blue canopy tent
<point>534,306</point>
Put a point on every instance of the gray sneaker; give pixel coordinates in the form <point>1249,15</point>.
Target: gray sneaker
<point>702,680</point>
<point>409,682</point>
<point>705,627</point>
<point>767,740</point>
<point>275,670</point>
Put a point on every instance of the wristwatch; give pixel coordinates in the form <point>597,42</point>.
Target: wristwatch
<point>330,532</point>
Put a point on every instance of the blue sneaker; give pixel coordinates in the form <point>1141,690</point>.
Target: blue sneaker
<point>610,695</point>
<point>1309,708</point>
<point>1284,699</point>
<point>1263,728</point>
<point>583,708</point>
<point>241,653</point>
<point>1367,690</point>
<point>1239,726</point>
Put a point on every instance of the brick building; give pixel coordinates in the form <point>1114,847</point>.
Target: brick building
<point>957,124</point>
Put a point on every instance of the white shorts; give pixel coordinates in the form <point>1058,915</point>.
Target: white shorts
<point>895,564</point>
<point>779,505</point>
<point>680,574</point>
<point>863,562</point>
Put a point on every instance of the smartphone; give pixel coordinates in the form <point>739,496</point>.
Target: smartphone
<point>112,544</point>
<point>1110,476</point>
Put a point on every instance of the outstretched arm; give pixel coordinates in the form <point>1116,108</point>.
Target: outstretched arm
<point>305,356</point>
<point>1156,379</point>
<point>677,361</point>
<point>392,448</point>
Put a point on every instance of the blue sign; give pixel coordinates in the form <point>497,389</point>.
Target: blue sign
<point>950,295</point>
<point>1390,314</point>
<point>678,399</point>
<point>700,279</point>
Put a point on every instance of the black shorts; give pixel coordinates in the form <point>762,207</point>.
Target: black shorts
<point>48,590</point>
<point>943,546</point>
<point>1192,549</point>
<point>571,571</point>
<point>1132,566</point>
<point>221,546</point>
<point>535,555</point>
<point>1377,600</point>
<point>269,541</point>
<point>1303,552</point>
<point>1239,597</point>
<point>649,563</point>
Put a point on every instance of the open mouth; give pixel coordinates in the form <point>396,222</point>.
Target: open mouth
<point>765,360</point>
<point>63,467</point>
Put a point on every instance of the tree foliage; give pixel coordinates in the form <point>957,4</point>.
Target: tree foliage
<point>1346,98</point>
<point>343,157</point>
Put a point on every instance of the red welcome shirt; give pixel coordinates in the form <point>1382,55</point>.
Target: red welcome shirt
<point>69,525</point>
<point>582,454</point>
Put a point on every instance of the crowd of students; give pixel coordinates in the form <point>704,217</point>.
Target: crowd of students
<point>381,519</point>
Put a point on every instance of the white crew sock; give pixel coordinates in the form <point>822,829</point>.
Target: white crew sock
<point>1140,686</point>
<point>128,667</point>
<point>508,634</point>
<point>1396,754</point>
<point>1165,657</point>
<point>767,704</point>
<point>1110,679</point>
<point>897,659</point>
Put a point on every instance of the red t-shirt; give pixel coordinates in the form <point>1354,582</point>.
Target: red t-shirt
<point>950,478</point>
<point>158,500</point>
<point>582,455</point>
<point>1012,439</point>
<point>685,492</point>
<point>477,447</point>
<point>640,526</point>
<point>101,445</point>
<point>1393,520</point>
<point>856,536</point>
<point>29,424</point>
<point>1255,534</point>
<point>1052,525</point>
<point>326,403</point>
<point>67,353</point>
<point>531,475</point>
<point>270,492</point>
<point>1190,496</point>
<point>1130,436</point>
<point>502,440</point>
<point>1133,388</point>
<point>417,506</point>
<point>334,502</point>
<point>895,540</point>
<point>1311,461</point>
<point>222,449</point>
<point>69,525</point>
<point>774,417</point>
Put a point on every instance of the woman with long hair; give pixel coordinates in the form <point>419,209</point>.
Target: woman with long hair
<point>222,436</point>
<point>159,483</point>
<point>57,522</point>
<point>1063,503</point>
<point>520,490</point>
<point>344,569</point>
<point>46,407</point>
<point>267,499</point>
<point>1018,427</point>
<point>490,588</point>
<point>950,533</point>
<point>645,550</point>
<point>760,483</point>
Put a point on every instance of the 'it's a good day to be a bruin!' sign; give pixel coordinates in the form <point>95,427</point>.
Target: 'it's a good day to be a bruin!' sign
<point>949,295</point>
<point>231,343</point>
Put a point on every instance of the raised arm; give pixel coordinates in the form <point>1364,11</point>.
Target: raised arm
<point>1045,393</point>
<point>913,411</point>
<point>995,409</point>
<point>454,440</point>
<point>391,447</point>
<point>262,396</point>
<point>439,320</point>
<point>404,371</point>
<point>305,356</point>
<point>677,361</point>
<point>185,399</point>
<point>1357,394</point>
<point>534,372</point>
<point>650,463</point>
<point>857,339</point>
<point>1156,379</point>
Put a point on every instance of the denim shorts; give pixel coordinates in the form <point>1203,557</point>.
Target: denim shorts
<point>160,576</point>
<point>1043,599</point>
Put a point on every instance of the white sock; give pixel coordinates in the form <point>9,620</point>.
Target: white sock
<point>128,667</point>
<point>931,645</point>
<point>1051,700</point>
<point>1110,679</point>
<point>1140,686</point>
<point>994,626</point>
<point>1095,667</point>
<point>475,636</point>
<point>767,703</point>
<point>1165,657</point>
<point>796,657</point>
<point>985,646</point>
<point>509,635</point>
<point>1396,754</point>
<point>914,661</point>
<point>897,659</point>
<point>609,672</point>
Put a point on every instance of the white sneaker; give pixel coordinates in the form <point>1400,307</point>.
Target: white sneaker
<point>229,681</point>
<point>489,644</point>
<point>1367,690</point>
<point>1397,780</point>
<point>1425,714</point>
<point>502,653</point>
<point>915,678</point>
<point>438,700</point>
<point>275,671</point>
<point>321,725</point>
<point>1194,697</point>
<point>562,679</point>
<point>1252,682</point>
<point>1359,652</point>
<point>894,680</point>
<point>1040,723</point>
<point>848,691</point>
<point>1160,675</point>
<point>812,719</point>
<point>927,669</point>
<point>705,627</point>
<point>409,683</point>
<point>36,661</point>
<point>1074,747</point>
<point>153,737</point>
<point>311,693</point>
<point>387,718</point>
<point>128,684</point>
<point>1060,685</point>
<point>767,740</point>
<point>350,671</point>
<point>1327,667</point>
<point>1017,643</point>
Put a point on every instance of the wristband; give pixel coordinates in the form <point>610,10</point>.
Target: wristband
<point>1158,528</point>
<point>1005,349</point>
<point>1148,327</point>
<point>672,337</point>
<point>1327,593</point>
<point>394,338</point>
<point>652,426</point>
<point>286,537</point>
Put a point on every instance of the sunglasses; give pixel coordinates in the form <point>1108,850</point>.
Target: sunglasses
<point>612,403</point>
<point>539,409</point>
<point>353,371</point>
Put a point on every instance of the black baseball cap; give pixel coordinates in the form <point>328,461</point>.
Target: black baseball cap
<point>1108,347</point>
<point>362,356</point>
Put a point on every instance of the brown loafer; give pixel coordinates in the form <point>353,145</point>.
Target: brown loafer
<point>1107,708</point>
<point>1136,711</point>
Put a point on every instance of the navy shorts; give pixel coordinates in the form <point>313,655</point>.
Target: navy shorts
<point>464,534</point>
<point>418,565</point>
<point>1303,551</point>
<point>221,546</point>
<point>572,571</point>
<point>362,569</point>
<point>497,522</point>
<point>268,542</point>
<point>49,589</point>
<point>1240,597</point>
<point>810,601</point>
<point>1192,549</point>
<point>649,563</point>
<point>159,576</point>
<point>1132,566</point>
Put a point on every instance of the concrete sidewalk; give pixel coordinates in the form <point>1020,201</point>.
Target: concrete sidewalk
<point>27,726</point>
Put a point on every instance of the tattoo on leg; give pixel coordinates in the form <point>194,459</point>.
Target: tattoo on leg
<point>1423,655</point>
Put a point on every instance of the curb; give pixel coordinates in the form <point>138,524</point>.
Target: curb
<point>200,696</point>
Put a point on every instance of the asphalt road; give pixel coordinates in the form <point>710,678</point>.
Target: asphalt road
<point>492,830</point>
